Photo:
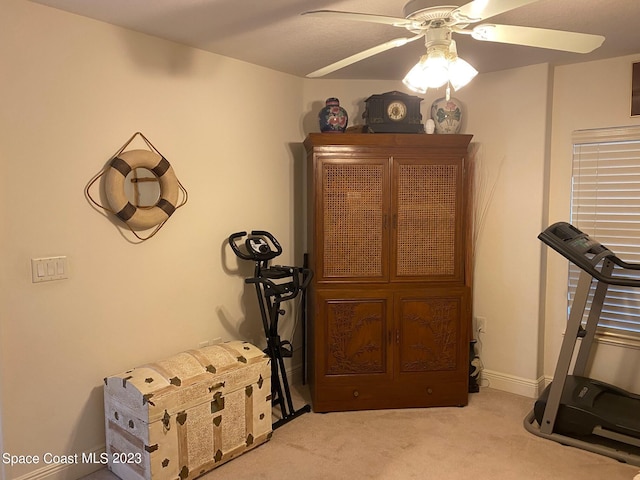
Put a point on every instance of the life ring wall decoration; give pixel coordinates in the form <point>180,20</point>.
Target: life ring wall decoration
<point>116,173</point>
<point>141,217</point>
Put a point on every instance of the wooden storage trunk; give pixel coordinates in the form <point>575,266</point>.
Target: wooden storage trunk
<point>183,416</point>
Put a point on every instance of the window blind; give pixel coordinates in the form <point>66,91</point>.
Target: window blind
<point>605,204</point>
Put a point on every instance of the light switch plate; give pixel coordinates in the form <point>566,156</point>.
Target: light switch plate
<point>49,268</point>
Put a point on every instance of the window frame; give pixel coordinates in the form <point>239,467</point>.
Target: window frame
<point>585,144</point>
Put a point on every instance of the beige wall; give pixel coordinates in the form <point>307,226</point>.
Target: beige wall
<point>73,91</point>
<point>585,96</point>
<point>508,116</point>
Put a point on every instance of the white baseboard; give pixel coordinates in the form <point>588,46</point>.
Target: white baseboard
<point>512,384</point>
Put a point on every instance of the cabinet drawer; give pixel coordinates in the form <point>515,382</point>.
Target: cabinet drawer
<point>367,396</point>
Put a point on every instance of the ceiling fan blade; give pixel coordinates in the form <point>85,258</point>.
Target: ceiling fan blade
<point>538,37</point>
<point>398,42</point>
<point>478,10</point>
<point>364,17</point>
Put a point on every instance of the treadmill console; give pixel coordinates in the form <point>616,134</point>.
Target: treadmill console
<point>588,254</point>
<point>575,245</point>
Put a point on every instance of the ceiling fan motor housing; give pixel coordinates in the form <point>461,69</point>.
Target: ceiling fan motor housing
<point>438,36</point>
<point>421,11</point>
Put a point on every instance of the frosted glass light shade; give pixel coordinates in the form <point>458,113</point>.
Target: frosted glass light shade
<point>413,80</point>
<point>438,67</point>
<point>460,73</point>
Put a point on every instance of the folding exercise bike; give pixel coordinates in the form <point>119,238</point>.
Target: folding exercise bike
<point>274,285</point>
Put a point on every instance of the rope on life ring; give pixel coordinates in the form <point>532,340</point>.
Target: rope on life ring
<point>115,173</point>
<point>146,217</point>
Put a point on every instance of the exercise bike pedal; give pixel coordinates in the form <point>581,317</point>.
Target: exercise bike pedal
<point>286,349</point>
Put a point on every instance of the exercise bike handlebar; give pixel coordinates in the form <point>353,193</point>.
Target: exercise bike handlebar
<point>271,238</point>
<point>232,241</point>
<point>258,246</point>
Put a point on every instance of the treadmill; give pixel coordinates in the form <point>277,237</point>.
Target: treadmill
<point>574,409</point>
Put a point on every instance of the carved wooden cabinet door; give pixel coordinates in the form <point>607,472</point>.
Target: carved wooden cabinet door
<point>356,327</point>
<point>431,335</point>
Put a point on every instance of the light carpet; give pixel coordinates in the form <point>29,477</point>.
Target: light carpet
<point>485,440</point>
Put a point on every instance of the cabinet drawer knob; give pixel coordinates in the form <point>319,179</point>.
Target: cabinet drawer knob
<point>429,390</point>
<point>356,393</point>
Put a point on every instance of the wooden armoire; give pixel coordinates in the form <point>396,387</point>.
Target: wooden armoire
<point>389,240</point>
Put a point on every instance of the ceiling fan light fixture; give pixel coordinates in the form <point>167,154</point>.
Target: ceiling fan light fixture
<point>437,24</point>
<point>432,71</point>
<point>436,68</point>
<point>414,79</point>
<point>441,65</point>
<point>460,73</point>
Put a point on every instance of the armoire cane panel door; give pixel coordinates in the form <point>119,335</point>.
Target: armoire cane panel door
<point>428,219</point>
<point>389,305</point>
<point>354,205</point>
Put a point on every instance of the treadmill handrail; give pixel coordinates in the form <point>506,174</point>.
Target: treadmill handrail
<point>561,245</point>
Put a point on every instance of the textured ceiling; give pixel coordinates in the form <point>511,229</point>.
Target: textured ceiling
<point>273,34</point>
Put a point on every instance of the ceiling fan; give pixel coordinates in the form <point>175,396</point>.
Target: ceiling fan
<point>437,24</point>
